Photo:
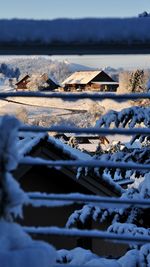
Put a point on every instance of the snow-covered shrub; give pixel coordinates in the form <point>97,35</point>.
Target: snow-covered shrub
<point>82,257</point>
<point>96,110</point>
<point>11,195</point>
<point>125,218</point>
<point>17,249</point>
<point>22,114</point>
<point>128,117</point>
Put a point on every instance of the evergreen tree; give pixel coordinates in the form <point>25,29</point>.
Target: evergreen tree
<point>136,81</point>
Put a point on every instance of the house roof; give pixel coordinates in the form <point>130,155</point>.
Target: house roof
<point>43,77</point>
<point>84,77</point>
<point>24,78</point>
<point>81,77</point>
<point>27,141</point>
<point>51,148</point>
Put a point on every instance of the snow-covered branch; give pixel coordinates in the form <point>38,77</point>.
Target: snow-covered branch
<point>11,195</point>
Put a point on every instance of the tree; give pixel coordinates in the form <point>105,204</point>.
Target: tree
<point>96,110</point>
<point>136,81</point>
<point>144,14</point>
<point>124,81</point>
<point>16,247</point>
<point>37,82</point>
<point>124,219</point>
<point>9,72</point>
<point>73,142</point>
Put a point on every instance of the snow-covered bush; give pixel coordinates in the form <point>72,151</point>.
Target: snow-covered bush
<point>125,219</point>
<point>17,249</point>
<point>128,117</point>
<point>11,195</point>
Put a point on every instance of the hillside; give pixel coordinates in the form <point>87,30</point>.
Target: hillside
<point>58,70</point>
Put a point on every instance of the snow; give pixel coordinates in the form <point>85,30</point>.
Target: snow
<point>130,117</point>
<point>8,145</point>
<point>15,197</point>
<point>75,31</point>
<point>73,152</point>
<point>131,259</point>
<point>17,249</point>
<point>12,237</point>
<point>10,191</point>
<point>144,187</point>
<point>81,257</point>
<point>28,142</point>
<point>88,147</point>
<point>81,77</point>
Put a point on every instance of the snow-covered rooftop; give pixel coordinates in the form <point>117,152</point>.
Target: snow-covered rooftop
<point>27,141</point>
<point>81,77</point>
<point>77,154</point>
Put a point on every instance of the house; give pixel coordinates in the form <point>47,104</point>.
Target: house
<point>85,142</point>
<point>62,180</point>
<point>50,84</point>
<point>41,145</point>
<point>90,80</point>
<point>43,82</point>
<point>22,84</point>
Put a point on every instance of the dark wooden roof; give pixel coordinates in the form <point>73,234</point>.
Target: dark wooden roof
<point>56,150</point>
<point>85,77</point>
<point>26,77</point>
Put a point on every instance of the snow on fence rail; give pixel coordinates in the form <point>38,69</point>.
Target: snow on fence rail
<point>89,130</point>
<point>120,238</point>
<point>67,199</point>
<point>76,96</point>
<point>139,238</point>
<point>83,163</point>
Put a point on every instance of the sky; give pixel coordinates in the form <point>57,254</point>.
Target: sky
<point>51,9</point>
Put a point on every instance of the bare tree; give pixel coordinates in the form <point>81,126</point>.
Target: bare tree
<point>22,114</point>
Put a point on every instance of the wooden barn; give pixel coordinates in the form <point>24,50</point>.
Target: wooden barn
<point>90,80</point>
<point>22,84</point>
<point>44,82</point>
<point>85,142</point>
<point>64,180</point>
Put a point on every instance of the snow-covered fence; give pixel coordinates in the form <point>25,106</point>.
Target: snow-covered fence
<point>121,238</point>
<point>38,199</point>
<point>79,96</point>
<point>53,35</point>
<point>91,163</point>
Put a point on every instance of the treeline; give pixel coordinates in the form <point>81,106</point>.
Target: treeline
<point>9,71</point>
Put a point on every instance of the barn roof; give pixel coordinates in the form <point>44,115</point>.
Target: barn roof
<point>37,144</point>
<point>27,141</point>
<point>81,77</point>
<point>23,79</point>
<point>84,77</point>
<point>42,77</point>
